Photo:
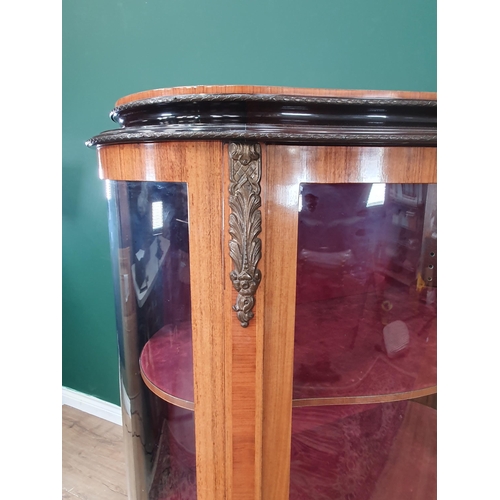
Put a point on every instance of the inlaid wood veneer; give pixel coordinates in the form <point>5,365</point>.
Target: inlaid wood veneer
<point>242,391</point>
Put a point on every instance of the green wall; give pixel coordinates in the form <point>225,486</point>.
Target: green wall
<point>113,48</point>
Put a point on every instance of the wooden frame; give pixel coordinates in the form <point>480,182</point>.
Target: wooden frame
<point>243,376</point>
<point>288,167</point>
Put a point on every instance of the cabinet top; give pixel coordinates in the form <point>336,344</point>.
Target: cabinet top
<point>274,114</point>
<point>269,90</point>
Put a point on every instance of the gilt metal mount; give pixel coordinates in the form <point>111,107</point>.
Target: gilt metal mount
<point>245,224</point>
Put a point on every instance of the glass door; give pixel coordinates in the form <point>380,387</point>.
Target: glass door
<point>150,249</point>
<point>364,362</point>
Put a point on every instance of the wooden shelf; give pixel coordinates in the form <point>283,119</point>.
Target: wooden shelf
<point>340,355</point>
<point>363,400</point>
<point>341,360</point>
<point>166,364</point>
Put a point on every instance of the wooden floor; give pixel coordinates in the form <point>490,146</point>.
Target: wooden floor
<point>93,464</point>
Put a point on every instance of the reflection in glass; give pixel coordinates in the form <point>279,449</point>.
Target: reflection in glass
<point>383,451</point>
<point>366,290</point>
<point>150,251</point>
<point>365,326</point>
<point>376,196</point>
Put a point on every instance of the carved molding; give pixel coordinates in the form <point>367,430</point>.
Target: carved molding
<point>245,224</point>
<point>270,118</point>
<point>289,99</point>
<point>382,138</point>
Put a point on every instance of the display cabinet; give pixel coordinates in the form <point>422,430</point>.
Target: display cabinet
<point>275,266</point>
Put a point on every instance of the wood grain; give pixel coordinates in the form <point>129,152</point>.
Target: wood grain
<point>363,400</point>
<point>93,464</point>
<point>331,164</point>
<point>244,381</point>
<point>229,323</point>
<point>160,162</point>
<point>286,168</point>
<point>259,343</point>
<point>244,397</point>
<point>279,277</point>
<point>227,357</point>
<point>198,164</point>
<point>263,89</point>
<point>181,403</point>
<point>207,311</point>
<point>243,376</point>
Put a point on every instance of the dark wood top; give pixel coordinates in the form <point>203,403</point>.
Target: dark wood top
<point>280,115</point>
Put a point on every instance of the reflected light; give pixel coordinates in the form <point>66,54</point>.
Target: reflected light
<point>157,214</point>
<point>107,184</point>
<point>377,195</point>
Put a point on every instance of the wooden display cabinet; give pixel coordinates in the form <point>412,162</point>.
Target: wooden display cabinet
<point>275,270</point>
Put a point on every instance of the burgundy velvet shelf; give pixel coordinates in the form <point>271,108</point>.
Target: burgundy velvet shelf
<point>381,451</point>
<point>365,323</point>
<point>167,364</point>
<point>340,350</point>
<point>369,452</point>
<point>384,451</point>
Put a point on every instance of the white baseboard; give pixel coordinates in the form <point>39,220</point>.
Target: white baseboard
<point>92,405</point>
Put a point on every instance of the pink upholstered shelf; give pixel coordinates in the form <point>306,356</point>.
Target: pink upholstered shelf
<point>365,323</point>
<point>366,452</point>
<point>167,364</point>
<point>340,349</point>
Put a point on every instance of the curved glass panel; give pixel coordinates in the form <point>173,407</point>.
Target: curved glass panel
<point>366,290</point>
<point>382,451</point>
<point>150,252</point>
